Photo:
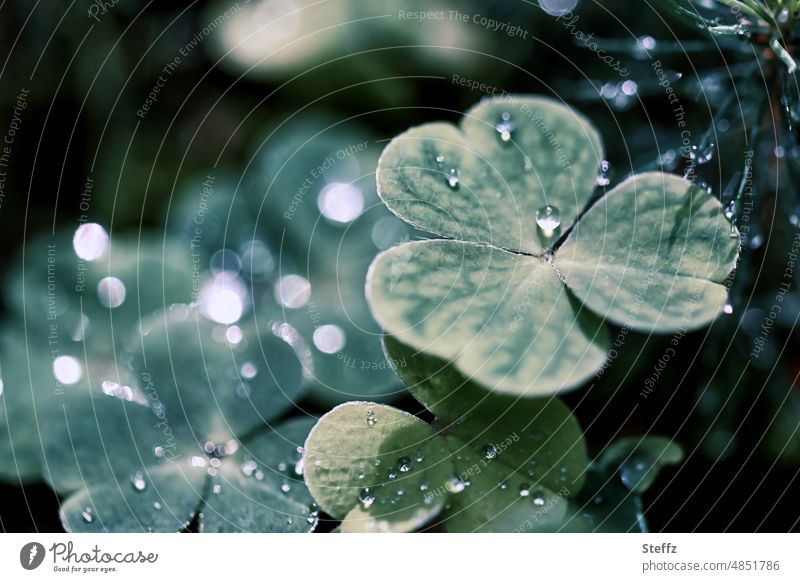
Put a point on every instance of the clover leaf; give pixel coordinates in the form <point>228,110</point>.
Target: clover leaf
<point>196,439</point>
<point>518,297</point>
<point>610,500</point>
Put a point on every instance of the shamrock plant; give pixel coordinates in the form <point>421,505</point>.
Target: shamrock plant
<point>490,463</point>
<point>517,294</point>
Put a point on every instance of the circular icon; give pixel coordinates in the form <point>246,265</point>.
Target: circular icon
<point>31,555</point>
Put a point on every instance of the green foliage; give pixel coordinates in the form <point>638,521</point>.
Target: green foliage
<point>517,301</point>
<point>489,463</point>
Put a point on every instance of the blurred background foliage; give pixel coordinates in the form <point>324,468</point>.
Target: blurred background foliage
<point>137,109</point>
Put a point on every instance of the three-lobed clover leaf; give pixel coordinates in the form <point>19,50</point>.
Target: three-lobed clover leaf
<point>193,438</point>
<point>513,303</point>
<point>486,464</point>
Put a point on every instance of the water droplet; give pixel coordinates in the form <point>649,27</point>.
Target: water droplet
<point>259,475</point>
<point>138,481</point>
<point>538,499</point>
<point>158,452</point>
<point>198,461</point>
<point>424,486</point>
<point>248,370</point>
<point>67,370</point>
<point>216,489</point>
<point>505,127</point>
<point>248,467</point>
<point>603,178</point>
<point>440,159</point>
<point>341,202</point>
<point>286,487</point>
<point>372,418</point>
<point>391,474</point>
<point>730,210</point>
<point>87,515</point>
<point>524,490</point>
<point>366,497</point>
<point>728,309</point>
<point>489,452</point>
<point>404,464</point>
<point>456,484</point>
<point>420,457</point>
<point>90,241</point>
<point>502,485</point>
<point>549,219</point>
<point>329,339</point>
<point>527,164</point>
<point>453,179</point>
<point>225,261</point>
<point>632,472</point>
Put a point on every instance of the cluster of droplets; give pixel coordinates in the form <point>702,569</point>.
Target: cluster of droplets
<point>505,127</point>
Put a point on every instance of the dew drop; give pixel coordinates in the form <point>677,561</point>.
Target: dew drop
<point>286,487</point>
<point>67,370</point>
<point>727,309</point>
<point>424,486</point>
<point>549,219</point>
<point>156,505</point>
<point>391,474</point>
<point>138,481</point>
<point>524,490</point>
<point>366,497</point>
<point>87,515</point>
<point>440,159</point>
<point>730,210</point>
<point>248,370</point>
<point>404,464</point>
<point>420,457</point>
<point>489,452</point>
<point>329,338</point>
<point>505,127</point>
<point>372,418</point>
<point>248,467</point>
<point>603,178</point>
<point>456,484</point>
<point>538,499</point>
<point>502,485</point>
<point>216,489</point>
<point>527,164</point>
<point>453,179</point>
